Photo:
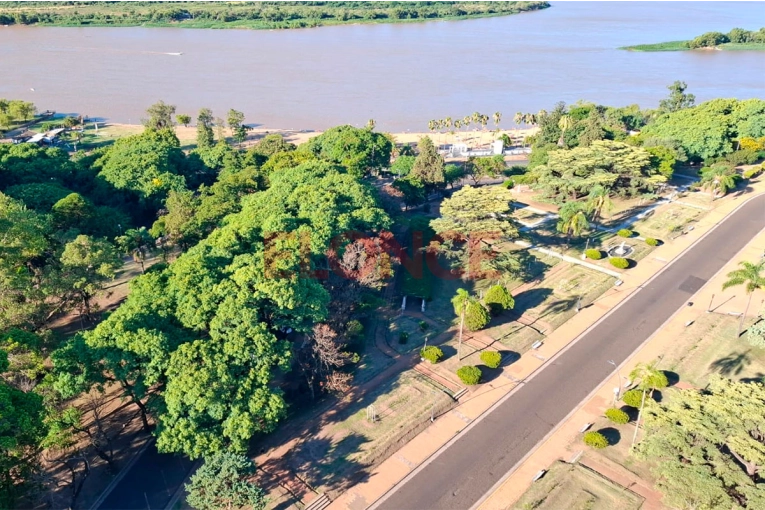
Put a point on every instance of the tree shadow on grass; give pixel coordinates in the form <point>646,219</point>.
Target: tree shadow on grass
<point>559,306</point>
<point>612,435</point>
<point>731,365</point>
<point>325,462</point>
<point>672,377</point>
<point>759,377</point>
<point>529,299</point>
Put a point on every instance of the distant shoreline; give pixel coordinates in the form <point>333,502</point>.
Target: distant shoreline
<point>264,16</point>
<point>683,46</point>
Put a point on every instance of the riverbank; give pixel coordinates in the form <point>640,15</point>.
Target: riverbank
<point>260,16</point>
<point>684,46</point>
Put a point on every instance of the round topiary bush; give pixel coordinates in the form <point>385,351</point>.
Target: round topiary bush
<point>633,398</point>
<point>593,254</point>
<point>491,359</point>
<point>423,325</point>
<point>508,184</point>
<point>403,337</point>
<point>650,241</point>
<point>476,316</point>
<point>617,416</point>
<point>619,262</point>
<point>625,232</point>
<point>595,439</point>
<point>354,328</point>
<point>469,375</point>
<point>432,353</point>
<point>498,299</point>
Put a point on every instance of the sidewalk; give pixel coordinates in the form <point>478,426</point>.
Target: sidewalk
<point>565,443</point>
<point>390,472</point>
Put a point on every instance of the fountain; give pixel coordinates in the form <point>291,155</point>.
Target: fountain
<point>621,250</point>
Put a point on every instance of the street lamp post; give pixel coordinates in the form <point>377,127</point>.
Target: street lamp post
<point>618,393</point>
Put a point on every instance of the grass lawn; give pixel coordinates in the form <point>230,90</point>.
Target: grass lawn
<point>710,346</point>
<point>574,487</point>
<point>336,459</point>
<point>667,222</point>
<point>411,326</point>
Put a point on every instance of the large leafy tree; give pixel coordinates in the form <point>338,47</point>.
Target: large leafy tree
<point>475,211</point>
<point>86,264</point>
<point>150,164</point>
<point>223,482</point>
<point>678,99</point>
<point>620,167</point>
<point>708,447</point>
<point>358,150</point>
<point>160,116</point>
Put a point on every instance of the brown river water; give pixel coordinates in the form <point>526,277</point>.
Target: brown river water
<point>400,75</point>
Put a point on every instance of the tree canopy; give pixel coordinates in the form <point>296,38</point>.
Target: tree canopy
<point>709,446</point>
<point>358,150</point>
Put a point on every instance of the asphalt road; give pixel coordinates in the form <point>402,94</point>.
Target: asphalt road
<point>466,470</point>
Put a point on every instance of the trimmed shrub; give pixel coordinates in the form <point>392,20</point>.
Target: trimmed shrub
<point>476,316</point>
<point>595,439</point>
<point>508,184</point>
<point>625,232</point>
<point>593,254</point>
<point>423,325</point>
<point>633,398</point>
<point>619,262</point>
<point>498,299</point>
<point>617,416</point>
<point>432,353</point>
<point>491,359</point>
<point>753,172</point>
<point>469,375</point>
<point>650,241</point>
<point>403,337</point>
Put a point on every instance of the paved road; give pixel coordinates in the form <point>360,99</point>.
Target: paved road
<point>466,470</point>
<point>150,483</point>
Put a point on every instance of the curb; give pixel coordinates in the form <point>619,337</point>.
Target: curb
<point>121,474</point>
<point>537,370</point>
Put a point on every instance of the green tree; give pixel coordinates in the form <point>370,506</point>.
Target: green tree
<point>160,116</point>
<point>491,167</point>
<point>707,447</point>
<point>150,164</point>
<point>236,123</point>
<point>402,166</point>
<point>21,433</point>
<point>75,212</point>
<point>572,220</point>
<point>358,150</point>
<point>751,277</point>
<point>678,99</point>
<point>564,123</point>
<point>598,202</point>
<point>223,482</point>
<point>428,165</point>
<point>183,119</point>
<point>498,299</point>
<point>205,120</point>
<point>648,377</point>
<point>412,190</point>
<point>476,211</point>
<point>87,263</point>
<point>218,393</point>
<point>622,168</point>
<point>718,179</point>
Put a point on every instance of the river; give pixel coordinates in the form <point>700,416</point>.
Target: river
<point>400,75</point>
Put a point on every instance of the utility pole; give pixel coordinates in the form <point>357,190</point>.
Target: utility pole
<point>619,375</point>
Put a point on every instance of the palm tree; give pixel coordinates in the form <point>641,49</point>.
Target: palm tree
<point>719,179</point>
<point>466,121</point>
<point>648,377</point>
<point>752,278</point>
<point>564,124</point>
<point>519,119</point>
<point>572,220</point>
<point>497,117</point>
<point>598,201</point>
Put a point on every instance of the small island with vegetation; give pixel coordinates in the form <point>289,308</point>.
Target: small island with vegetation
<point>736,39</point>
<point>253,15</point>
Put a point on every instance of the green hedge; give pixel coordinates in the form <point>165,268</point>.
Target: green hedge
<point>625,232</point>
<point>432,353</point>
<point>633,398</point>
<point>619,262</point>
<point>617,416</point>
<point>593,254</point>
<point>595,439</point>
<point>650,241</point>
<point>491,359</point>
<point>469,375</point>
